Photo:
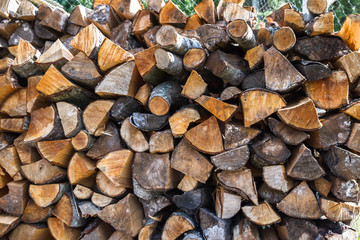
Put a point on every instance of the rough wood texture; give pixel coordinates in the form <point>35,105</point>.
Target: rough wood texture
<point>42,172</point>
<point>95,121</point>
<point>171,14</point>
<point>221,110</point>
<point>263,214</point>
<point>58,152</point>
<point>48,194</point>
<point>349,31</point>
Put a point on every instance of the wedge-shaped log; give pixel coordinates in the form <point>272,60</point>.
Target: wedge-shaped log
<point>287,134</point>
<point>68,212</point>
<point>7,7</point>
<point>280,75</point>
<point>126,8</point>
<point>70,116</point>
<point>58,152</point>
<point>185,156</point>
<point>181,119</point>
<point>214,227</point>
<point>8,84</point>
<point>176,225</point>
<point>15,104</point>
<point>300,203</point>
<point>353,141</point>
<point>276,178</point>
<point>170,14</point>
<point>14,125</point>
<point>257,104</point>
<point>255,56</point>
<point>24,31</point>
<point>187,184</point>
<point>301,115</point>
<point>296,227</point>
<point>35,214</point>
<point>295,20</point>
<point>95,116</point>
<point>194,87</point>
<point>159,176</point>
<point>206,137</point>
<point>117,167</point>
<point>339,211</point>
<point>123,80</point>
<point>353,109</point>
<point>105,186</point>
<point>101,201</point>
<point>58,88</point>
<point>278,15</point>
<point>233,11</point>
<point>82,71</point>
<point>30,231</point>
<point>262,214</point>
<point>10,161</point>
<point>44,125</point>
<point>8,222</point>
<point>349,31</point>
<point>270,195</point>
<point>349,63</point>
<point>57,54</point>
<point>80,168</point>
<point>161,142</point>
<point>15,200</point>
<point>78,16</point>
<point>143,21</point>
<point>312,71</point>
<point>133,137</point>
<point>322,25</point>
<point>338,160</point>
<point>88,40</point>
<point>221,110</point>
<point>345,190</point>
<point>34,99</point>
<point>237,135</point>
<point>81,192</point>
<point>42,172</point>
<point>26,11</point>
<point>168,38</point>
<point>241,181</point>
<point>227,204</point>
<point>206,11</point>
<point>125,216</point>
<point>48,194</point>
<point>24,62</point>
<point>104,18</point>
<point>111,55</point>
<point>56,20</point>
<point>60,230</point>
<point>233,159</point>
<point>331,92</point>
<point>335,131</point>
<point>26,153</point>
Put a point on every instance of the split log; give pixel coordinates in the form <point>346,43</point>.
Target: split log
<point>34,99</point>
<point>177,224</point>
<point>26,11</point>
<point>95,116</point>
<point>82,71</point>
<point>83,141</point>
<point>4,178</point>
<point>58,152</point>
<point>322,186</point>
<point>44,125</point>
<point>276,178</point>
<point>122,35</point>
<point>143,21</point>
<point>349,31</point>
<point>230,93</point>
<point>10,161</point>
<point>293,228</point>
<point>56,20</point>
<point>300,203</point>
<point>60,230</point>
<point>143,94</point>
<point>123,108</point>
<point>287,134</point>
<point>133,137</point>
<point>15,104</point>
<point>222,6</point>
<point>233,11</point>
<point>180,121</point>
<point>187,184</point>
<point>246,230</point>
<point>9,84</point>
<point>26,153</point>
<point>5,63</point>
<point>104,184</point>
<point>349,64</point>
<point>104,18</point>
<point>227,204</point>
<point>161,142</point>
<point>78,16</point>
<point>153,208</point>
<point>88,209</point>
<point>15,201</point>
<point>270,195</point>
<point>221,110</point>
<point>70,117</point>
<point>237,135</point>
<point>194,59</point>
<point>44,33</point>
<point>7,7</point>
<point>353,109</point>
<point>159,176</point>
<point>241,181</point>
<point>193,22</point>
<point>312,71</point>
<point>257,104</point>
<point>80,168</point>
<point>125,216</point>
<point>353,140</point>
<point>8,222</point>
<point>170,14</point>
<point>228,67</point>
<point>24,62</point>
<point>108,141</point>
<point>171,64</point>
<point>126,8</point>
<point>347,191</point>
<point>255,57</point>
<point>68,212</point>
<point>233,159</point>
<point>42,172</point>
<point>294,20</point>
<point>147,230</point>
<point>300,115</point>
<point>35,214</point>
<point>262,214</point>
<point>150,35</point>
<point>81,192</point>
<point>48,194</point>
<point>303,166</point>
<point>214,227</point>
<point>339,211</point>
<point>213,36</point>
<point>25,32</point>
<point>206,11</point>
<point>278,15</point>
<point>7,28</point>
<point>117,167</point>
<point>58,88</point>
<point>321,48</point>
<point>280,74</point>
<point>322,25</point>
<point>335,131</point>
<point>337,159</point>
<point>82,41</point>
<point>185,156</point>
<point>146,64</point>
<point>101,201</point>
<point>190,202</point>
<point>14,125</point>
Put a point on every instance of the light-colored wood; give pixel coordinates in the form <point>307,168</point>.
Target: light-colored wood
<point>24,62</point>
<point>339,211</point>
<point>161,142</point>
<point>206,11</point>
<point>107,187</point>
<point>27,154</point>
<point>10,161</point>
<point>8,84</point>
<point>100,200</point>
<point>176,225</point>
<point>350,31</point>
<point>60,230</point>
<point>67,211</point>
<point>171,64</point>
<point>56,20</point>
<point>133,137</point>
<point>233,11</point>
<point>7,222</point>
<point>194,59</point>
<point>78,16</point>
<point>58,152</point>
<point>180,120</point>
<point>8,6</point>
<point>257,104</point>
<point>284,39</point>
<point>193,22</point>
<point>322,25</point>
<point>95,116</point>
<point>34,99</point>
<point>323,186</point>
<point>227,204</point>
<point>221,110</point>
<point>14,202</point>
<point>255,56</point>
<point>222,5</point>
<point>144,20</point>
<point>4,178</point>
<point>353,109</point>
<point>48,194</point>
<point>294,20</point>
<point>81,192</point>
<point>15,104</point>
<point>42,172</point>
<point>83,141</point>
<point>30,232</point>
<point>242,34</point>
<point>187,184</point>
<point>276,178</point>
<point>301,115</point>
<point>146,64</point>
<point>262,214</point>
<point>318,7</point>
<point>171,14</point>
<point>350,64</point>
<point>80,168</point>
<point>26,11</point>
<point>126,8</point>
<point>278,15</point>
<point>35,214</point>
<point>57,54</point>
<point>70,117</point>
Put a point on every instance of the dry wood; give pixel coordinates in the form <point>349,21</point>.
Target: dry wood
<point>318,7</point>
<point>270,195</point>
<point>171,64</point>
<point>187,184</point>
<point>161,142</point>
<point>222,5</point>
<point>241,33</point>
<point>7,7</point>
<point>241,181</point>
<point>149,36</point>
<point>122,35</point>
<point>206,11</point>
<point>190,202</point>
<point>14,202</point>
<point>101,201</point>
<point>180,121</point>
<point>7,28</point>
<point>338,211</point>
<point>88,209</point>
<point>246,230</point>
<point>82,71</point>
<point>227,204</point>
<point>44,33</point>
<point>323,186</point>
<point>257,104</point>
<point>278,15</point>
<point>147,230</point>
<point>56,20</point>
<point>48,194</point>
<point>60,230</point>
<point>104,18</point>
<point>4,179</point>
<point>214,227</point>
<point>83,141</point>
<point>294,20</point>
<point>123,108</point>
<point>153,208</point>
<point>24,62</point>
<point>10,161</point>
<point>42,172</point>
<point>104,184</point>
<point>284,39</point>
<point>193,22</point>
<point>194,59</point>
<point>349,63</point>
<point>295,228</point>
<point>35,214</point>
<point>230,93</point>
<point>233,159</point>
<point>333,93</point>
<point>126,215</point>
<point>70,117</point>
<point>287,134</point>
<point>88,40</point>
<point>255,56</point>
<point>276,178</point>
<point>237,135</point>
<point>26,11</point>
<point>58,88</point>
<point>233,11</point>
<point>80,168</point>
<point>5,63</point>
<point>95,116</point>
<point>143,21</point>
<point>300,203</point>
<point>7,222</point>
<point>98,230</point>
<point>143,94</point>
<point>133,137</point>
<point>322,25</point>
<point>213,36</point>
<point>171,14</point>
<point>14,125</point>
<point>345,190</point>
<point>176,225</point>
<point>34,100</point>
<point>312,71</point>
<point>78,16</point>
<point>353,140</point>
<point>301,115</point>
<point>353,109</point>
<point>15,104</point>
<point>262,214</point>
<point>58,152</point>
<point>26,153</point>
<point>223,111</point>
<point>126,8</point>
<point>349,31</point>
<point>155,5</point>
<point>67,211</point>
<point>25,32</point>
<point>81,192</point>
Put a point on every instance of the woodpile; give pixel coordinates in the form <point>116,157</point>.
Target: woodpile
<point>121,122</point>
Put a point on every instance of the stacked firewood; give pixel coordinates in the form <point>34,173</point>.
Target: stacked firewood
<point>120,122</point>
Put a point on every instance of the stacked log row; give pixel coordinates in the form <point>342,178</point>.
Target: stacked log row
<point>121,122</point>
